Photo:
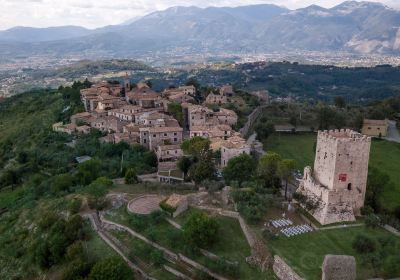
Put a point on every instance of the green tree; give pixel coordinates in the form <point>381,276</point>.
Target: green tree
<point>184,164</point>
<point>175,109</point>
<point>196,146</point>
<point>200,230</point>
<point>239,169</point>
<point>88,171</point>
<point>268,168</point>
<point>376,183</point>
<point>99,187</point>
<point>203,169</point>
<point>340,102</point>
<point>62,182</point>
<point>285,171</point>
<point>111,269</point>
<point>264,129</point>
<point>131,176</point>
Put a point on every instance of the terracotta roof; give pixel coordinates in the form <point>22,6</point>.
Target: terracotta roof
<point>161,129</point>
<point>175,199</point>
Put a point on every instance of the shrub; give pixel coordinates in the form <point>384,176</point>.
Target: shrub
<point>110,269</point>
<point>200,230</point>
<point>364,244</point>
<point>131,176</point>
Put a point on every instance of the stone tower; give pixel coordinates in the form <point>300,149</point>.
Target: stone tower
<point>337,185</point>
<point>127,83</point>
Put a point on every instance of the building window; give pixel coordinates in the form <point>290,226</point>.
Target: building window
<point>154,135</point>
<point>349,186</point>
<point>175,139</point>
<point>175,133</point>
<point>165,134</point>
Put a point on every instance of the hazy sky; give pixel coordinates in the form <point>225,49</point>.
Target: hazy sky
<point>95,13</point>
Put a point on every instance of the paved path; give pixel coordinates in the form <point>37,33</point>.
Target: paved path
<point>256,145</point>
<point>341,226</point>
<point>393,132</point>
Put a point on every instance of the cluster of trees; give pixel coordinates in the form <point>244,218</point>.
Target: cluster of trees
<point>262,179</point>
<point>198,162</point>
<point>380,254</point>
<point>200,230</point>
<point>37,167</point>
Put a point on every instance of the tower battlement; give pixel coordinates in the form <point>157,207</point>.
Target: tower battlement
<point>343,135</point>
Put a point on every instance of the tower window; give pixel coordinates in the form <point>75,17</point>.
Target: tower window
<point>349,186</point>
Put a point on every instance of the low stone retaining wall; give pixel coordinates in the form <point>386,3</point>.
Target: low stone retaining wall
<point>200,267</point>
<point>283,271</point>
<point>177,273</point>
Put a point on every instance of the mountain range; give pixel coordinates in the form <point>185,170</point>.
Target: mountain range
<point>360,27</point>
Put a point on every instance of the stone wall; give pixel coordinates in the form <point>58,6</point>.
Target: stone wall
<point>283,271</point>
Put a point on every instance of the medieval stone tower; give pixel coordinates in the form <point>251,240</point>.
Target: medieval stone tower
<point>127,83</point>
<point>337,185</point>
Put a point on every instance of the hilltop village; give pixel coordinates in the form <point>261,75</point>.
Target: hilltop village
<point>196,181</point>
<point>141,116</point>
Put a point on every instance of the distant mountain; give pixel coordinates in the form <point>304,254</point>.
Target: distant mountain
<point>31,34</point>
<point>361,27</point>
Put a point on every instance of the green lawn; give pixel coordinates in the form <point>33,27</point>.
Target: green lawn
<point>384,156</point>
<point>305,253</point>
<point>299,147</point>
<point>231,246</point>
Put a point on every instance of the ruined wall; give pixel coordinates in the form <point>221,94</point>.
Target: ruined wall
<point>283,271</point>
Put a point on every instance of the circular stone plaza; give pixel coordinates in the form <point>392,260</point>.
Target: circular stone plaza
<point>144,205</point>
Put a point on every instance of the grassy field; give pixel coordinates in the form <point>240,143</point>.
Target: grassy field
<point>384,156</point>
<point>305,253</point>
<point>233,246</point>
<point>299,147</point>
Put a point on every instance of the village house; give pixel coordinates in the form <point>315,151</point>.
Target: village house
<point>83,117</point>
<point>90,96</point>
<point>152,137</point>
<point>108,124</point>
<point>182,94</point>
<point>226,90</point>
<point>375,128</point>
<point>144,97</point>
<point>197,115</point>
<point>169,152</point>
<point>233,147</point>
<point>210,132</point>
<point>216,99</point>
<point>226,116</point>
<point>126,112</point>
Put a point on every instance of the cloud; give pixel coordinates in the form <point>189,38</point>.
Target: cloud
<point>96,13</point>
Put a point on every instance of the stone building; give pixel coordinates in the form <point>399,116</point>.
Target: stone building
<point>216,99</point>
<point>152,137</point>
<point>337,185</point>
<point>377,128</point>
<point>233,147</point>
<point>226,90</point>
<point>181,94</point>
<point>169,152</point>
